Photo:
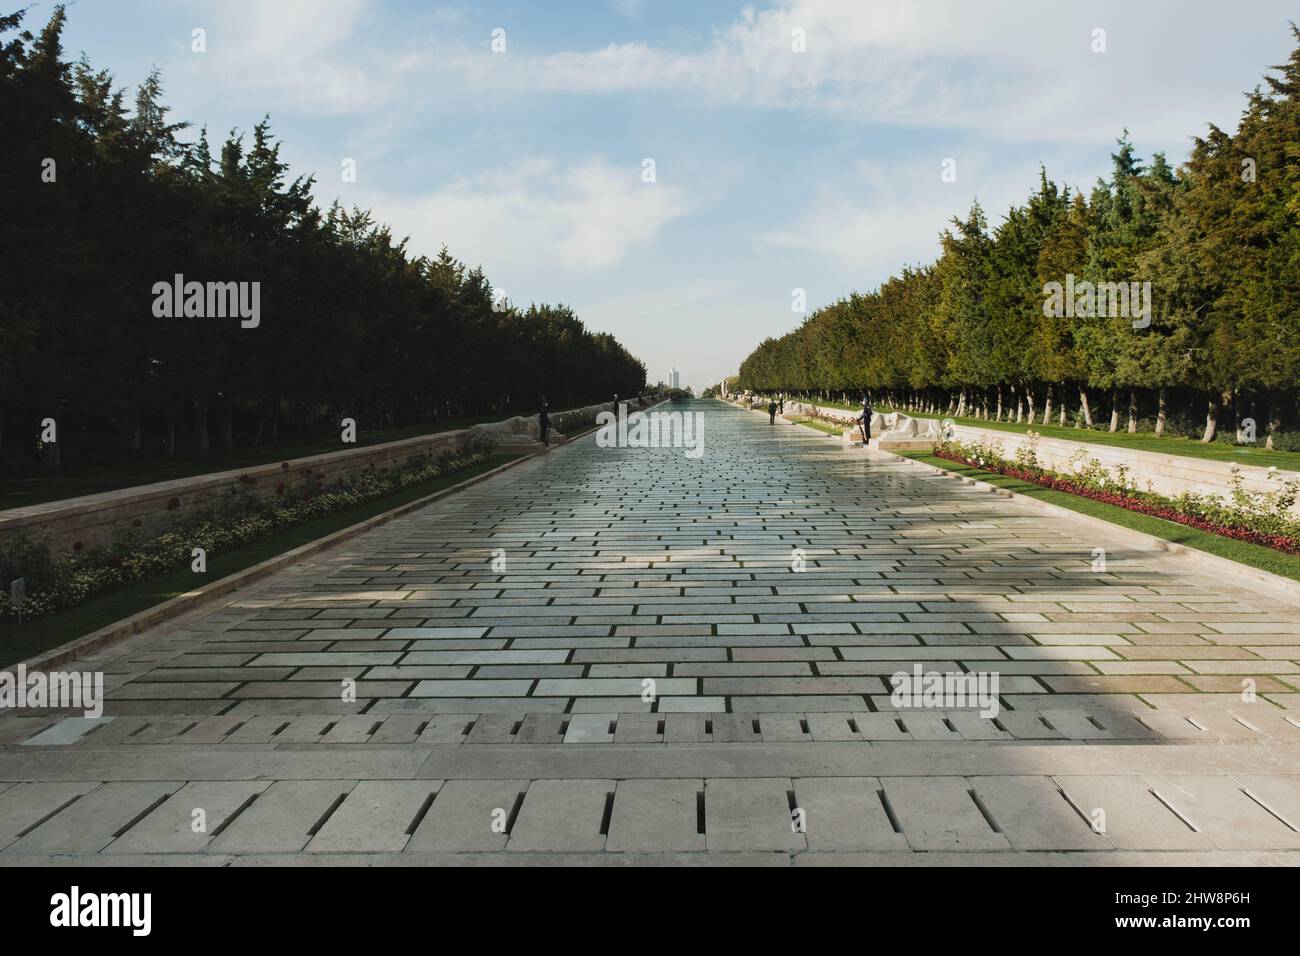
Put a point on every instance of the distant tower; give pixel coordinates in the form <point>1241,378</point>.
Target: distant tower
<point>674,378</point>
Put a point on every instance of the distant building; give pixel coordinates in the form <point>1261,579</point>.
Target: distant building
<point>674,378</point>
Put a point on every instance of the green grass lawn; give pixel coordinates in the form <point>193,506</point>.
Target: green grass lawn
<point>1143,441</point>
<point>22,642</point>
<point>36,489</point>
<point>1243,552</point>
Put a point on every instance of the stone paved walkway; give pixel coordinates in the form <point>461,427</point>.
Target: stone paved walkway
<point>630,655</point>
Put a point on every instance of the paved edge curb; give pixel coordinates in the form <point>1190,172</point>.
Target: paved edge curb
<point>127,627</point>
<point>97,640</point>
<point>1275,584</point>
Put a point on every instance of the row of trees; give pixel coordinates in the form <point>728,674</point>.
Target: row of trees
<point>101,201</point>
<point>1218,240</point>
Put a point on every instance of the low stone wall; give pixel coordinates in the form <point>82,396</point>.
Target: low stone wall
<point>94,520</point>
<point>515,434</point>
<point>1169,475</point>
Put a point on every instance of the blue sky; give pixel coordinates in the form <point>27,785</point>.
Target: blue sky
<point>775,168</point>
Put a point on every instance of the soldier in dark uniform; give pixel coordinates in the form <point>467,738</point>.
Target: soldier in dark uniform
<point>865,420</point>
<point>544,422</point>
<point>771,412</point>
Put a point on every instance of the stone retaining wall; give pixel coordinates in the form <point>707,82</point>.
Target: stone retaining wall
<point>94,520</point>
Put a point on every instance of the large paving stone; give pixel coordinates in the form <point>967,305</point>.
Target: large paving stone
<point>656,815</point>
<point>562,815</point>
<point>1130,814</point>
<point>750,814</point>
<point>469,815</point>
<point>940,813</point>
<point>376,815</point>
<point>190,818</point>
<point>92,822</point>
<point>846,813</point>
<point>283,818</point>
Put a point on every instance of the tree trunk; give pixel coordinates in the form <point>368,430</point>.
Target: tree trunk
<point>1162,411</point>
<point>261,427</point>
<point>1132,411</point>
<point>1211,421</point>
<point>999,418</point>
<point>1114,410</point>
<point>961,404</point>
<point>1047,407</point>
<point>171,431</point>
<point>275,419</point>
<point>51,457</point>
<point>1084,407</point>
<point>1029,401</point>
<point>1062,414</point>
<point>227,422</point>
<point>201,442</point>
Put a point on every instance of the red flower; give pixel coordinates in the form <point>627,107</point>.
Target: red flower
<point>77,546</point>
<point>284,465</point>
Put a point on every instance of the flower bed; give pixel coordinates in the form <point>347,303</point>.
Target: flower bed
<point>1261,518</point>
<point>815,413</point>
<point>240,518</point>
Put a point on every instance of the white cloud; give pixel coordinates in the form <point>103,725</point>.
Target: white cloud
<point>536,216</point>
<point>445,15</point>
<point>880,217</point>
<point>304,54</point>
<point>1003,65</point>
